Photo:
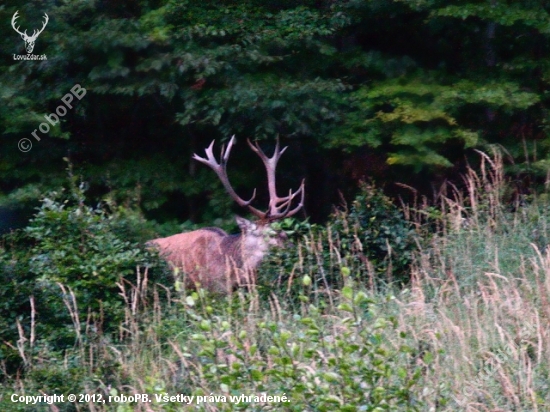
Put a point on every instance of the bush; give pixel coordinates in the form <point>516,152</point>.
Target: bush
<point>64,267</point>
<point>376,232</point>
<point>372,239</point>
<point>342,358</point>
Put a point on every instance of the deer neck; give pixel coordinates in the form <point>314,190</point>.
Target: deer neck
<point>253,250</point>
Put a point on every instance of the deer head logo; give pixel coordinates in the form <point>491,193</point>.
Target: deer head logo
<point>29,40</point>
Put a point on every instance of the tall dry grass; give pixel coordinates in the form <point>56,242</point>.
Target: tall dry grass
<point>479,296</point>
<point>468,333</point>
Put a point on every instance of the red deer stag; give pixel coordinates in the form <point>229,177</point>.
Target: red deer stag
<point>220,262</point>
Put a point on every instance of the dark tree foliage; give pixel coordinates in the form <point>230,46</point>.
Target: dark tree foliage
<point>357,88</point>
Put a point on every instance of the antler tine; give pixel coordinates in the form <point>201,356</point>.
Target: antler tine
<point>300,205</point>
<point>220,169</point>
<point>270,164</point>
<point>268,161</point>
<point>37,32</point>
<point>276,203</point>
<point>209,155</point>
<point>225,153</point>
<point>13,22</point>
<point>286,203</point>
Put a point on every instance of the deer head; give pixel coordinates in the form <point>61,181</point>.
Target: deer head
<point>221,262</point>
<point>29,40</point>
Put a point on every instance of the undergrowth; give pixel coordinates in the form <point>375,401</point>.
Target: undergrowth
<point>466,332</point>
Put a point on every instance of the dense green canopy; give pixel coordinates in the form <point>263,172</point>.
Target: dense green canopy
<point>357,88</point>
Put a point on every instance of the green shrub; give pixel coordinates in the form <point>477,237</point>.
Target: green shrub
<point>375,232</point>
<point>306,253</point>
<point>372,239</point>
<point>342,358</point>
<point>62,270</point>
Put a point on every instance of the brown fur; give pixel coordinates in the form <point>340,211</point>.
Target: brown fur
<point>218,261</point>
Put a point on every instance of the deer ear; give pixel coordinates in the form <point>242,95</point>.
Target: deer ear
<point>244,224</point>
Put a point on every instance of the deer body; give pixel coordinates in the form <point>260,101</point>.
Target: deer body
<point>217,261</point>
<point>220,262</point>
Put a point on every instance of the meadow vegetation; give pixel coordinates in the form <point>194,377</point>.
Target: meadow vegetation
<point>441,305</point>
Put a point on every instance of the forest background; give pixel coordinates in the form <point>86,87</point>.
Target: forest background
<point>394,91</point>
<point>419,273</point>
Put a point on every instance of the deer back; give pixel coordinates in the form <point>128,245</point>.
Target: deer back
<point>207,256</point>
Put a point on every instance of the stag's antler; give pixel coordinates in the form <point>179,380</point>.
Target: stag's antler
<point>46,20</point>
<point>35,33</point>
<point>13,19</point>
<point>220,169</point>
<point>279,207</point>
